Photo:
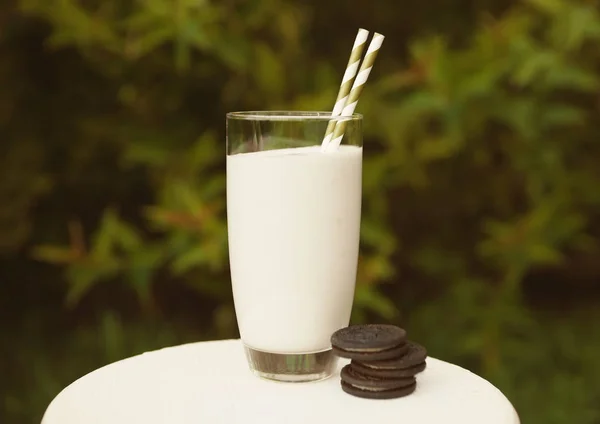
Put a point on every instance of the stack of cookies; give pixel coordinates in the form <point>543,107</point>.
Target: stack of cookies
<point>384,363</point>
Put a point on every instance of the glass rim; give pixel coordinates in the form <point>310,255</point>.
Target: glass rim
<point>290,115</point>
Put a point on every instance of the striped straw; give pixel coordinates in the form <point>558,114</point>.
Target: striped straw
<point>359,83</point>
<point>347,80</point>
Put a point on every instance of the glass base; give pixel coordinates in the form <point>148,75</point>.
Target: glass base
<point>291,367</point>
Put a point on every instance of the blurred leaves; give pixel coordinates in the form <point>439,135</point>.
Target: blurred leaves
<point>24,183</point>
<point>534,239</point>
<point>369,301</point>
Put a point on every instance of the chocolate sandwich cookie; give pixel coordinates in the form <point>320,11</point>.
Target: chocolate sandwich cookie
<point>383,394</point>
<point>415,355</point>
<point>388,372</point>
<point>372,342</point>
<point>379,355</point>
<point>360,385</point>
<point>351,376</point>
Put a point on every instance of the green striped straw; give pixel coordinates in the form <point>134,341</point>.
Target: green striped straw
<point>359,83</point>
<point>347,80</point>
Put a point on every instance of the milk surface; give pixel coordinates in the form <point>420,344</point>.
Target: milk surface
<point>294,223</point>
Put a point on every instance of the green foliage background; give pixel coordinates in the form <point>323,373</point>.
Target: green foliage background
<point>481,180</point>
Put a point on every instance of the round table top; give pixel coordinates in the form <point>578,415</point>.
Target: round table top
<point>210,382</point>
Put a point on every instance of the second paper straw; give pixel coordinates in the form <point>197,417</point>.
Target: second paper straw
<point>359,83</point>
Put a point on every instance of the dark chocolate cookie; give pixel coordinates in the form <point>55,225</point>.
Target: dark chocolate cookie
<point>378,355</point>
<point>370,338</point>
<point>415,355</point>
<point>387,372</point>
<point>365,382</point>
<point>378,394</point>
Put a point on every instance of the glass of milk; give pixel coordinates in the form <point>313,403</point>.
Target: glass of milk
<point>293,213</point>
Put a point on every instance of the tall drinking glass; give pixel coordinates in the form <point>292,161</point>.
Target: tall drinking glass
<point>293,215</point>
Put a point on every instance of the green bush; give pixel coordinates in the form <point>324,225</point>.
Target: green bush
<point>480,177</point>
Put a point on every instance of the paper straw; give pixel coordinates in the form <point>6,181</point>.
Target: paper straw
<point>359,83</point>
<point>347,80</point>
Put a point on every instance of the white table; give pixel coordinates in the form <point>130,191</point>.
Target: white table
<point>210,383</point>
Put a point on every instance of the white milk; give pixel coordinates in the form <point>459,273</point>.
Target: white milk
<point>294,223</point>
